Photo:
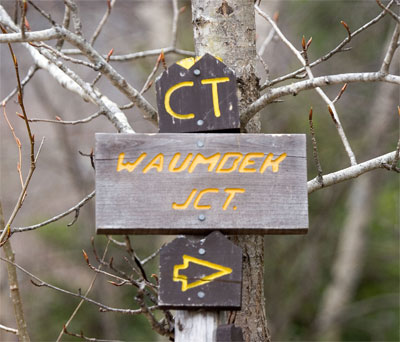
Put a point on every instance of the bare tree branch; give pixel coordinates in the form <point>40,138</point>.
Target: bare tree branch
<point>81,302</point>
<point>315,149</point>
<point>350,172</point>
<point>325,98</point>
<point>102,21</point>
<point>35,36</point>
<point>75,16</point>
<point>103,307</point>
<point>31,72</point>
<point>65,24</point>
<point>85,338</point>
<point>10,330</point>
<point>149,53</point>
<point>174,22</point>
<point>337,49</point>
<point>73,122</point>
<point>13,283</point>
<point>115,78</point>
<point>321,81</point>
<point>393,45</point>
<point>55,218</point>
<point>388,10</point>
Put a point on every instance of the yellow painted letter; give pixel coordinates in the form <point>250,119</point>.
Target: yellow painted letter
<point>172,165</point>
<point>238,157</point>
<point>157,162</point>
<point>231,192</point>
<point>186,204</point>
<point>200,195</point>
<point>168,98</point>
<point>128,166</point>
<point>200,159</point>
<point>214,87</point>
<point>274,163</point>
<point>247,161</point>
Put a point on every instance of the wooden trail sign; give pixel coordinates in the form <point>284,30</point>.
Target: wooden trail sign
<point>197,95</point>
<point>197,183</point>
<point>200,274</point>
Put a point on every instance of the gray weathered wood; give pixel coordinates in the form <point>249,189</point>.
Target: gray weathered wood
<point>138,202</point>
<point>196,326</point>
<point>189,287</point>
<point>229,333</point>
<point>195,100</point>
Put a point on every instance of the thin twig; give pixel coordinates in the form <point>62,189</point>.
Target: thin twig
<point>149,82</point>
<point>63,56</point>
<point>337,98</point>
<point>331,53</point>
<point>10,330</point>
<point>104,308</point>
<point>174,22</point>
<point>122,276</point>
<point>264,64</point>
<point>149,53</point>
<point>397,155</point>
<point>6,231</point>
<point>110,5</point>
<point>43,13</point>
<point>295,88</point>
<point>81,302</point>
<point>75,16</point>
<point>55,218</point>
<point>325,98</point>
<point>388,10</point>
<point>393,45</point>
<point>152,256</point>
<point>351,172</point>
<point>315,149</point>
<point>24,6</point>
<point>157,326</point>
<point>97,78</point>
<point>116,242</point>
<point>18,142</point>
<point>75,122</point>
<point>32,70</point>
<point>85,338</point>
<point>268,38</point>
<point>66,21</point>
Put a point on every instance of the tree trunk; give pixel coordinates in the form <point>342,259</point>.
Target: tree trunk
<point>226,29</point>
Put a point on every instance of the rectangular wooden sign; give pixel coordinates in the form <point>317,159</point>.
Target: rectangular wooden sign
<point>196,183</point>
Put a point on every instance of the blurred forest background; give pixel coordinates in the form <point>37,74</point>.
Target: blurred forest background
<point>308,279</point>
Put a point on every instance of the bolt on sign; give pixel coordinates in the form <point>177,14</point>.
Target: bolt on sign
<point>197,95</point>
<point>170,183</point>
<point>206,273</point>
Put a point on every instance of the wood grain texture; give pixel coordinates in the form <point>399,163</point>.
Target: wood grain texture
<point>198,98</point>
<point>137,202</point>
<point>196,326</point>
<point>222,292</point>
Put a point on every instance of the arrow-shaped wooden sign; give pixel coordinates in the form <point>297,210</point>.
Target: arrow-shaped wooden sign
<point>188,278</point>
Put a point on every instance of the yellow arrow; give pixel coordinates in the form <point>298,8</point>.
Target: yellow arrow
<point>222,270</point>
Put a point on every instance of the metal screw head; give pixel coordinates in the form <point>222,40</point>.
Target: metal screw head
<point>196,72</point>
<point>201,294</point>
<point>202,251</point>
<point>200,122</point>
<point>200,144</point>
<point>202,217</point>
